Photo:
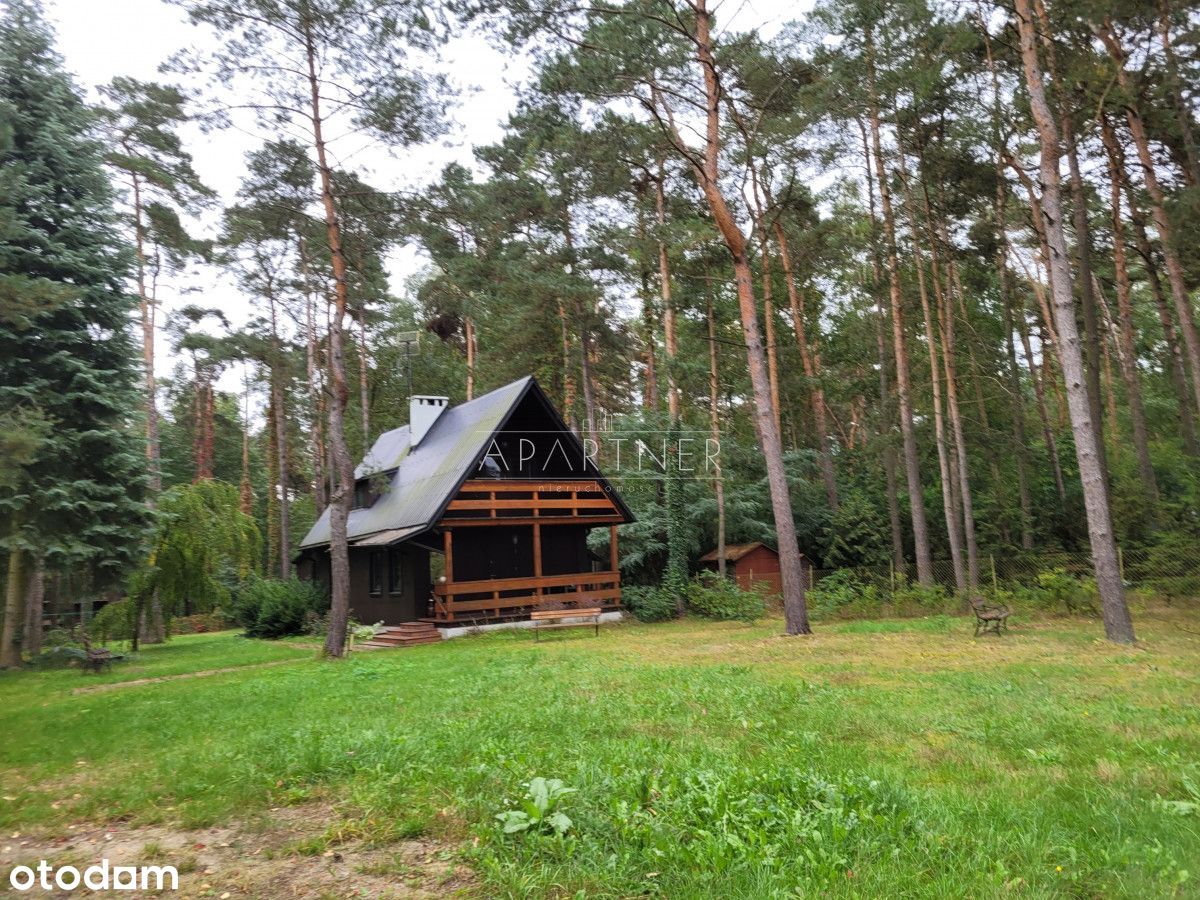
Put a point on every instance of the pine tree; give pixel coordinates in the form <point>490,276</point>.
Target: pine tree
<point>157,183</point>
<point>317,66</point>
<point>69,361</point>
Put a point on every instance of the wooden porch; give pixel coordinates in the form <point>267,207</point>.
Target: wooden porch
<point>535,505</point>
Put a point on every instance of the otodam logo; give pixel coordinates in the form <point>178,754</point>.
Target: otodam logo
<point>100,877</point>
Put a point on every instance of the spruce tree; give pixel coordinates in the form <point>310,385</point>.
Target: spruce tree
<point>67,359</point>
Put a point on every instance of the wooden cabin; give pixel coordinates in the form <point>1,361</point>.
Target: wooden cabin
<point>475,513</point>
<point>750,565</point>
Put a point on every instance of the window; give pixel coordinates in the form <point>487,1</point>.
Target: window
<point>364,494</point>
<point>394,572</point>
<point>376,572</point>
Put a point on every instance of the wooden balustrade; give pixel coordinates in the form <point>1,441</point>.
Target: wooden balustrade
<point>484,502</point>
<point>468,600</point>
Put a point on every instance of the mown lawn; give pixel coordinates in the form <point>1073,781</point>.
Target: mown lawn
<point>898,758</point>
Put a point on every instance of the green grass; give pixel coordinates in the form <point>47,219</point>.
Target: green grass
<point>183,654</point>
<point>898,758</point>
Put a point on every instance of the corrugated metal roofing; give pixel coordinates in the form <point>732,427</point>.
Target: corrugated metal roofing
<point>386,453</point>
<point>426,475</point>
<point>382,538</point>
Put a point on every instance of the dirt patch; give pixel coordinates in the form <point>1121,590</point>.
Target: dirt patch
<point>286,853</point>
<point>204,673</point>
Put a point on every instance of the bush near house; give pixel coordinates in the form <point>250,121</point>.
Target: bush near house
<point>274,608</point>
<point>714,597</point>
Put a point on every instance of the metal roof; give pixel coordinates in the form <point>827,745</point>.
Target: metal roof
<point>383,538</point>
<point>423,479</point>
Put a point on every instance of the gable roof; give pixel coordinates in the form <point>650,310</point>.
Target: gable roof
<point>734,552</point>
<point>424,479</point>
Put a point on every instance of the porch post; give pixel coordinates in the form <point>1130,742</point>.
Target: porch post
<point>537,561</point>
<point>448,548</point>
<point>612,548</point>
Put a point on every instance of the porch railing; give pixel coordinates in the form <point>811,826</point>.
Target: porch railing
<point>508,598</point>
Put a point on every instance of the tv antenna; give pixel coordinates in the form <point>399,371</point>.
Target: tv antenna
<point>409,339</point>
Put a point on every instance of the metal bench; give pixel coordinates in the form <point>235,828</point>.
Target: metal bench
<point>989,619</point>
<point>553,618</point>
<point>96,659</point>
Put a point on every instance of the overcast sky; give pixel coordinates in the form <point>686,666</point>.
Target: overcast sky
<point>101,39</point>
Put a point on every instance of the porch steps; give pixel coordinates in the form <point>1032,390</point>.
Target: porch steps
<point>407,634</point>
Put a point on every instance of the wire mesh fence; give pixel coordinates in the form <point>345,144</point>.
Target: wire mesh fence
<point>1166,572</point>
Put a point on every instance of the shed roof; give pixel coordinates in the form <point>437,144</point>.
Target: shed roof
<point>423,479</point>
<point>734,552</point>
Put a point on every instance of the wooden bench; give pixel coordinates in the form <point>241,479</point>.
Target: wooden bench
<point>989,619</point>
<point>553,618</point>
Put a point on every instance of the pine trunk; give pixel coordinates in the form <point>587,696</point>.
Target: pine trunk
<point>670,339</point>
<point>1117,623</point>
<point>469,337</point>
<point>316,396</point>
<point>791,569</point>
<point>35,595</point>
<point>1179,104</point>
<point>364,389</point>
<point>953,525</point>
<point>279,411</point>
<point>1125,333</point>
<point>885,392</point>
<point>714,422</point>
<point>14,609</point>
<point>960,443</point>
<point>1087,294</point>
<point>1176,364</point>
<point>1158,211</point>
<point>568,378</point>
<point>769,322</point>
<point>812,371</point>
<point>1017,397</point>
<point>147,308</point>
<point>343,469</point>
<point>245,488</point>
<point>912,464</point>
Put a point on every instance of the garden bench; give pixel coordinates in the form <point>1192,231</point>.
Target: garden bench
<point>96,659</point>
<point>989,618</point>
<point>553,618</point>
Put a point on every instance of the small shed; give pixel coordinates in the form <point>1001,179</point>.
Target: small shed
<point>750,565</point>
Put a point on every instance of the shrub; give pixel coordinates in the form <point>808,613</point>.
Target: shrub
<point>1058,586</point>
<point>115,622</point>
<point>60,657</point>
<point>917,597</point>
<point>201,623</point>
<point>841,593</point>
<point>273,608</point>
<point>650,604</point>
<point>714,597</point>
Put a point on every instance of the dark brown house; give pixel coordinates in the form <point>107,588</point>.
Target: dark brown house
<point>750,565</point>
<point>475,513</point>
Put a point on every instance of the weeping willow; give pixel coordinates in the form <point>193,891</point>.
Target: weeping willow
<point>203,545</point>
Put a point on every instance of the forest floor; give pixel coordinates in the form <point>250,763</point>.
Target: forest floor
<point>874,758</point>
